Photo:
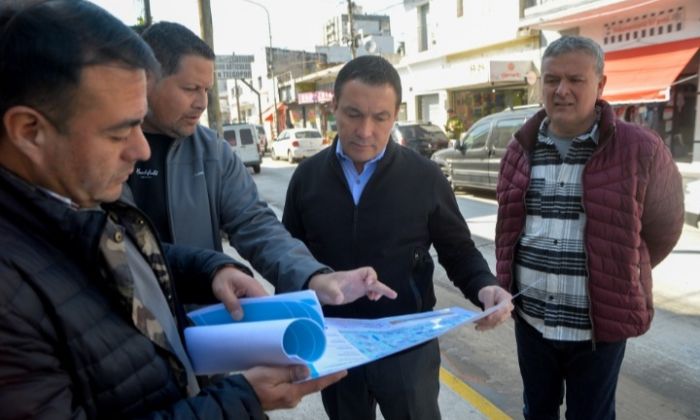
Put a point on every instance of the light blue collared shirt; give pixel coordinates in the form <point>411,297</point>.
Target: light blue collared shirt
<point>356,181</point>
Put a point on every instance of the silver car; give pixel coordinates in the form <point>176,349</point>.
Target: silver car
<point>475,159</point>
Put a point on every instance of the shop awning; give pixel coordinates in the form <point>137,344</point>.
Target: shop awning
<point>646,74</point>
<point>267,113</point>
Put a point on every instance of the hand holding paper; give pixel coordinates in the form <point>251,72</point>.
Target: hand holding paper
<point>279,387</point>
<point>499,299</point>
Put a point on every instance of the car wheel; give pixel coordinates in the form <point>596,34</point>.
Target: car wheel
<point>290,159</point>
<point>256,169</point>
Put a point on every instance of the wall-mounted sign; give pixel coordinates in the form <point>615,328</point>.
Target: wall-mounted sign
<point>317,97</point>
<point>508,71</point>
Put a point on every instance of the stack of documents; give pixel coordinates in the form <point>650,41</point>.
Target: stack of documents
<point>290,329</point>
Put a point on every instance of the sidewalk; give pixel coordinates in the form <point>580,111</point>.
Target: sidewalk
<point>690,171</point>
<point>455,404</point>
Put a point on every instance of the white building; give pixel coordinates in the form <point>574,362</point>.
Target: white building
<point>465,55</point>
<point>372,34</point>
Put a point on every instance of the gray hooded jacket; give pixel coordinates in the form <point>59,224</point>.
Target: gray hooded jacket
<point>209,190</point>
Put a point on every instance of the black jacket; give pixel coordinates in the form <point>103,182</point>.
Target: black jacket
<point>65,348</point>
<point>406,207</point>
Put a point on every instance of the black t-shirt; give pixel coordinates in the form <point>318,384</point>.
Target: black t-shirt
<point>148,184</point>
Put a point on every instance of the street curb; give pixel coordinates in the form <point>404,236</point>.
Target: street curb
<point>486,407</point>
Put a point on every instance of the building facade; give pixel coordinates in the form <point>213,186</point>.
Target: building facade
<point>467,56</point>
<point>651,59</point>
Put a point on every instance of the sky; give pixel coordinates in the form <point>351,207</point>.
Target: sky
<point>241,27</point>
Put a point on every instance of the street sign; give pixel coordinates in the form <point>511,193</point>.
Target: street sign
<point>234,66</point>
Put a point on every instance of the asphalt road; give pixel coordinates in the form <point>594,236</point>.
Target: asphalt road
<point>660,376</point>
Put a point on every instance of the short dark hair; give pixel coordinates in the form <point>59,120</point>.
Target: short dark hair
<point>170,41</point>
<point>372,70</point>
<point>575,43</point>
<point>44,46</point>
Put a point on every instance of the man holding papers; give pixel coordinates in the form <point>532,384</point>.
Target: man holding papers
<point>90,321</point>
<point>368,201</point>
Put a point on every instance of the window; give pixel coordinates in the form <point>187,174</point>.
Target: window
<point>423,27</point>
<point>247,137</point>
<point>504,130</point>
<point>308,135</point>
<point>230,137</point>
<point>476,137</point>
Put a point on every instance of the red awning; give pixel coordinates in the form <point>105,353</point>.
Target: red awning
<point>267,113</point>
<point>645,74</point>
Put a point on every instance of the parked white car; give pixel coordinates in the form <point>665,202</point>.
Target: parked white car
<point>692,203</point>
<point>295,144</point>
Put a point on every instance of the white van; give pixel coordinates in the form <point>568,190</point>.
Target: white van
<point>243,139</point>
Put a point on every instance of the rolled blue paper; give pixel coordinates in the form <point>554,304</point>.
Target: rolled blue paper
<point>304,339</point>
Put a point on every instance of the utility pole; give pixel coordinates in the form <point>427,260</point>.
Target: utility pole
<point>270,68</point>
<point>238,103</point>
<point>205,24</point>
<point>351,29</point>
<point>147,17</point>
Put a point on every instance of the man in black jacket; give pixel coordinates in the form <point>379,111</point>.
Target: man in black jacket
<point>90,321</point>
<point>367,201</point>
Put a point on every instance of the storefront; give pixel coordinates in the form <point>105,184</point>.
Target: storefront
<point>473,82</point>
<point>313,109</point>
<point>470,105</point>
<point>651,62</point>
<point>309,102</point>
<point>505,87</point>
<point>656,86</point>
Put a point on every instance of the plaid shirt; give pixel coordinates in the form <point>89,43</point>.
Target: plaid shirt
<point>551,258</point>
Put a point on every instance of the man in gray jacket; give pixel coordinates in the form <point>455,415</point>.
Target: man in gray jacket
<point>194,186</point>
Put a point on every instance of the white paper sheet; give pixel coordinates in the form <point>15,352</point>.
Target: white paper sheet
<point>290,329</point>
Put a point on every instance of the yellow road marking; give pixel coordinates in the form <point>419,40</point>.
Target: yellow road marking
<point>474,398</point>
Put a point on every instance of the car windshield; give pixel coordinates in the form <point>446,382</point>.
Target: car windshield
<point>308,134</point>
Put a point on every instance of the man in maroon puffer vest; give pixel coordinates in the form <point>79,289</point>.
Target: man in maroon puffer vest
<point>587,206</point>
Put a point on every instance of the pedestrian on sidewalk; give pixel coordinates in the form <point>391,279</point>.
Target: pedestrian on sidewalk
<point>90,319</point>
<point>366,200</point>
<point>194,187</point>
<point>454,126</point>
<point>587,206</point>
